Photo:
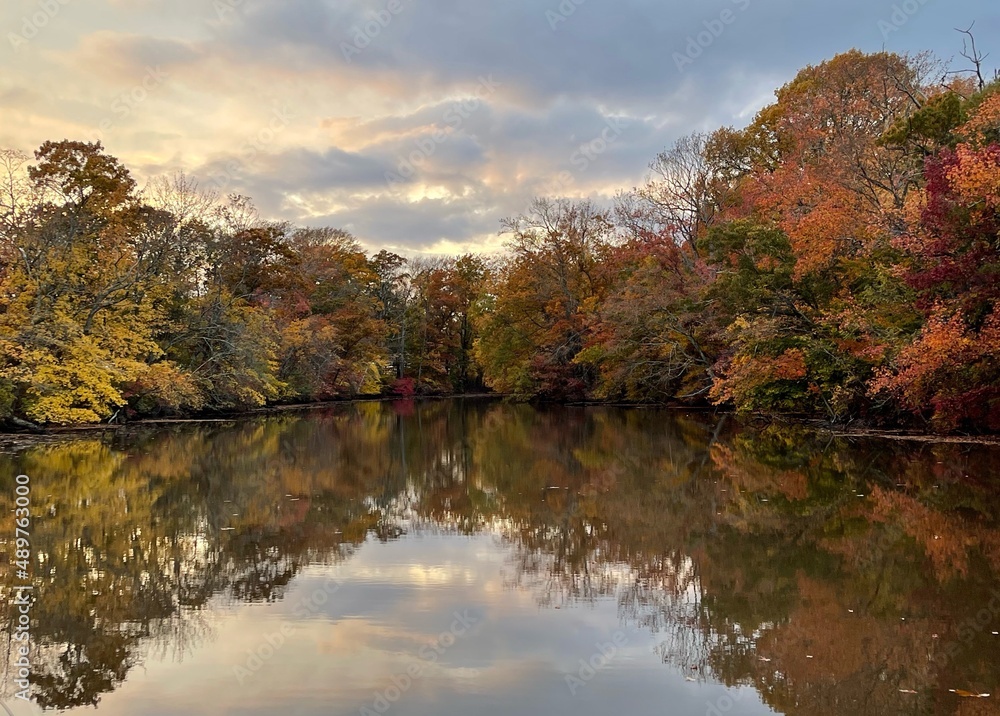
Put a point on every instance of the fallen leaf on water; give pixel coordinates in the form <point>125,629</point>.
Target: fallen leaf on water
<point>968,694</point>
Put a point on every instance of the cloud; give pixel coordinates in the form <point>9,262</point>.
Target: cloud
<point>567,77</point>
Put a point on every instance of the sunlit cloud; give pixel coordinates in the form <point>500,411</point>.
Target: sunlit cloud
<point>189,86</point>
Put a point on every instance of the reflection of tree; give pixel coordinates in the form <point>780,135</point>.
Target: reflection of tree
<point>791,562</point>
<point>818,571</point>
<point>79,673</point>
<point>132,543</point>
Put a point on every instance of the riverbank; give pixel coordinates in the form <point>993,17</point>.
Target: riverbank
<point>16,439</point>
<point>38,433</point>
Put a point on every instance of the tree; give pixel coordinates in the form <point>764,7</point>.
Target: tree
<point>951,372</point>
<point>333,341</point>
<point>535,320</point>
<point>684,189</point>
<point>82,307</point>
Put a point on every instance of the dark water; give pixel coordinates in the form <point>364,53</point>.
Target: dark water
<point>471,558</point>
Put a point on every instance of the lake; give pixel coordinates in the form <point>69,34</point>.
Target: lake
<point>473,557</point>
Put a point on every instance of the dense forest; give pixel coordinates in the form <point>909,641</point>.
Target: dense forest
<point>837,257</point>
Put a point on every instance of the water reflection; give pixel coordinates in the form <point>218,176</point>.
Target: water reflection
<point>829,575</point>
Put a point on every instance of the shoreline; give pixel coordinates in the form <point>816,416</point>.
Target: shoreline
<point>45,434</point>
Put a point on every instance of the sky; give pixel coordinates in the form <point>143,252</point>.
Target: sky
<point>417,125</point>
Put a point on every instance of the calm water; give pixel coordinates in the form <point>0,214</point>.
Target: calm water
<point>473,558</point>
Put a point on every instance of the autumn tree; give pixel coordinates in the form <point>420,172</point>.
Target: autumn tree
<point>447,295</point>
<point>82,306</point>
<point>536,320</point>
<point>333,341</point>
<point>949,373</point>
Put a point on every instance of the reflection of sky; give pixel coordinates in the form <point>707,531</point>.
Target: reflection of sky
<point>394,603</point>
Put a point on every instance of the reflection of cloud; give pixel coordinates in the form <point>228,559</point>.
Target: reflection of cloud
<point>514,661</point>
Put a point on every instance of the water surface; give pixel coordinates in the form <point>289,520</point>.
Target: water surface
<point>471,557</point>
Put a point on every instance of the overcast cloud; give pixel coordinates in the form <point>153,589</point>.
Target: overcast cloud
<point>418,124</point>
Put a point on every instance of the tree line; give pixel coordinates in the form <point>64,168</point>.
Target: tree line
<point>837,257</point>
